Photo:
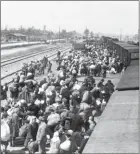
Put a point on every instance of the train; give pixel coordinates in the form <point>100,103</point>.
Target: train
<point>126,52</point>
<point>119,121</point>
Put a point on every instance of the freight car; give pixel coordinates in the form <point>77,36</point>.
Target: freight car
<point>119,121</point>
<point>79,46</point>
<point>126,52</point>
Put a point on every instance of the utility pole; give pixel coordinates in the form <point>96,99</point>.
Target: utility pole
<point>120,34</point>
<point>44,28</point>
<point>59,34</point>
<point>138,35</point>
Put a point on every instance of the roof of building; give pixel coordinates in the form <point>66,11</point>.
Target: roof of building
<point>16,34</point>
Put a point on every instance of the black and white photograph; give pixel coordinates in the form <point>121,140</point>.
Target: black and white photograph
<point>69,77</point>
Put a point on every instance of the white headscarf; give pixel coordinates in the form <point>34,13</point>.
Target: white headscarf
<point>55,137</point>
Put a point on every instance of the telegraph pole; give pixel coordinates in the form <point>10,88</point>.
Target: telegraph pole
<point>120,34</point>
<point>59,34</point>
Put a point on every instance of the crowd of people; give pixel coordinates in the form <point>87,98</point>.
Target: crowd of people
<point>58,112</point>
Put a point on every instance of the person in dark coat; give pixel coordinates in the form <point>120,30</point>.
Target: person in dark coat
<point>76,120</point>
<point>110,86</point>
<point>95,92</point>
<point>22,110</point>
<point>4,90</point>
<point>32,132</point>
<point>14,90</point>
<point>33,108</point>
<point>77,137</point>
<point>2,93</point>
<point>49,66</point>
<point>64,91</point>
<point>100,84</point>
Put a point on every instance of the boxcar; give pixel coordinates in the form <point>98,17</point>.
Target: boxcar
<point>79,46</point>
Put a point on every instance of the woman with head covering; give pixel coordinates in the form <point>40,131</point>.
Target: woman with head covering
<point>68,146</point>
<point>55,143</point>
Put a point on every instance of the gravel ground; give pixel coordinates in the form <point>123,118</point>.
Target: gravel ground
<point>115,79</point>
<point>18,65</point>
<point>9,53</point>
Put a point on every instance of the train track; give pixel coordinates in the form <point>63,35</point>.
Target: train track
<point>64,50</point>
<point>19,58</point>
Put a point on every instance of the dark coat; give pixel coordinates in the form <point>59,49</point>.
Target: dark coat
<point>32,131</point>
<point>34,108</point>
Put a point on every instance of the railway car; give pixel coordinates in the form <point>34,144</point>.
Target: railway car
<point>79,46</point>
<point>125,51</point>
<point>118,125</point>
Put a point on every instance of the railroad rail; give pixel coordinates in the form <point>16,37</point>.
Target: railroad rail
<point>7,60</point>
<point>50,56</point>
<point>19,58</point>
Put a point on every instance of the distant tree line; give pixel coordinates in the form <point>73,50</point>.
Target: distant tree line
<point>46,34</point>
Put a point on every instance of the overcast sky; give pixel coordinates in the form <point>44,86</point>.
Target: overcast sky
<point>97,16</point>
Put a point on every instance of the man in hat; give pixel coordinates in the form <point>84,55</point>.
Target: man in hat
<point>41,135</point>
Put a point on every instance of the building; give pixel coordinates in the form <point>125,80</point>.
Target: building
<point>12,37</point>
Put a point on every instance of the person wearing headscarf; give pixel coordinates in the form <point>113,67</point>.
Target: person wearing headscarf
<point>54,144</point>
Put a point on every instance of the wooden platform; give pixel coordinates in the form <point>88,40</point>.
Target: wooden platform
<point>117,130</point>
